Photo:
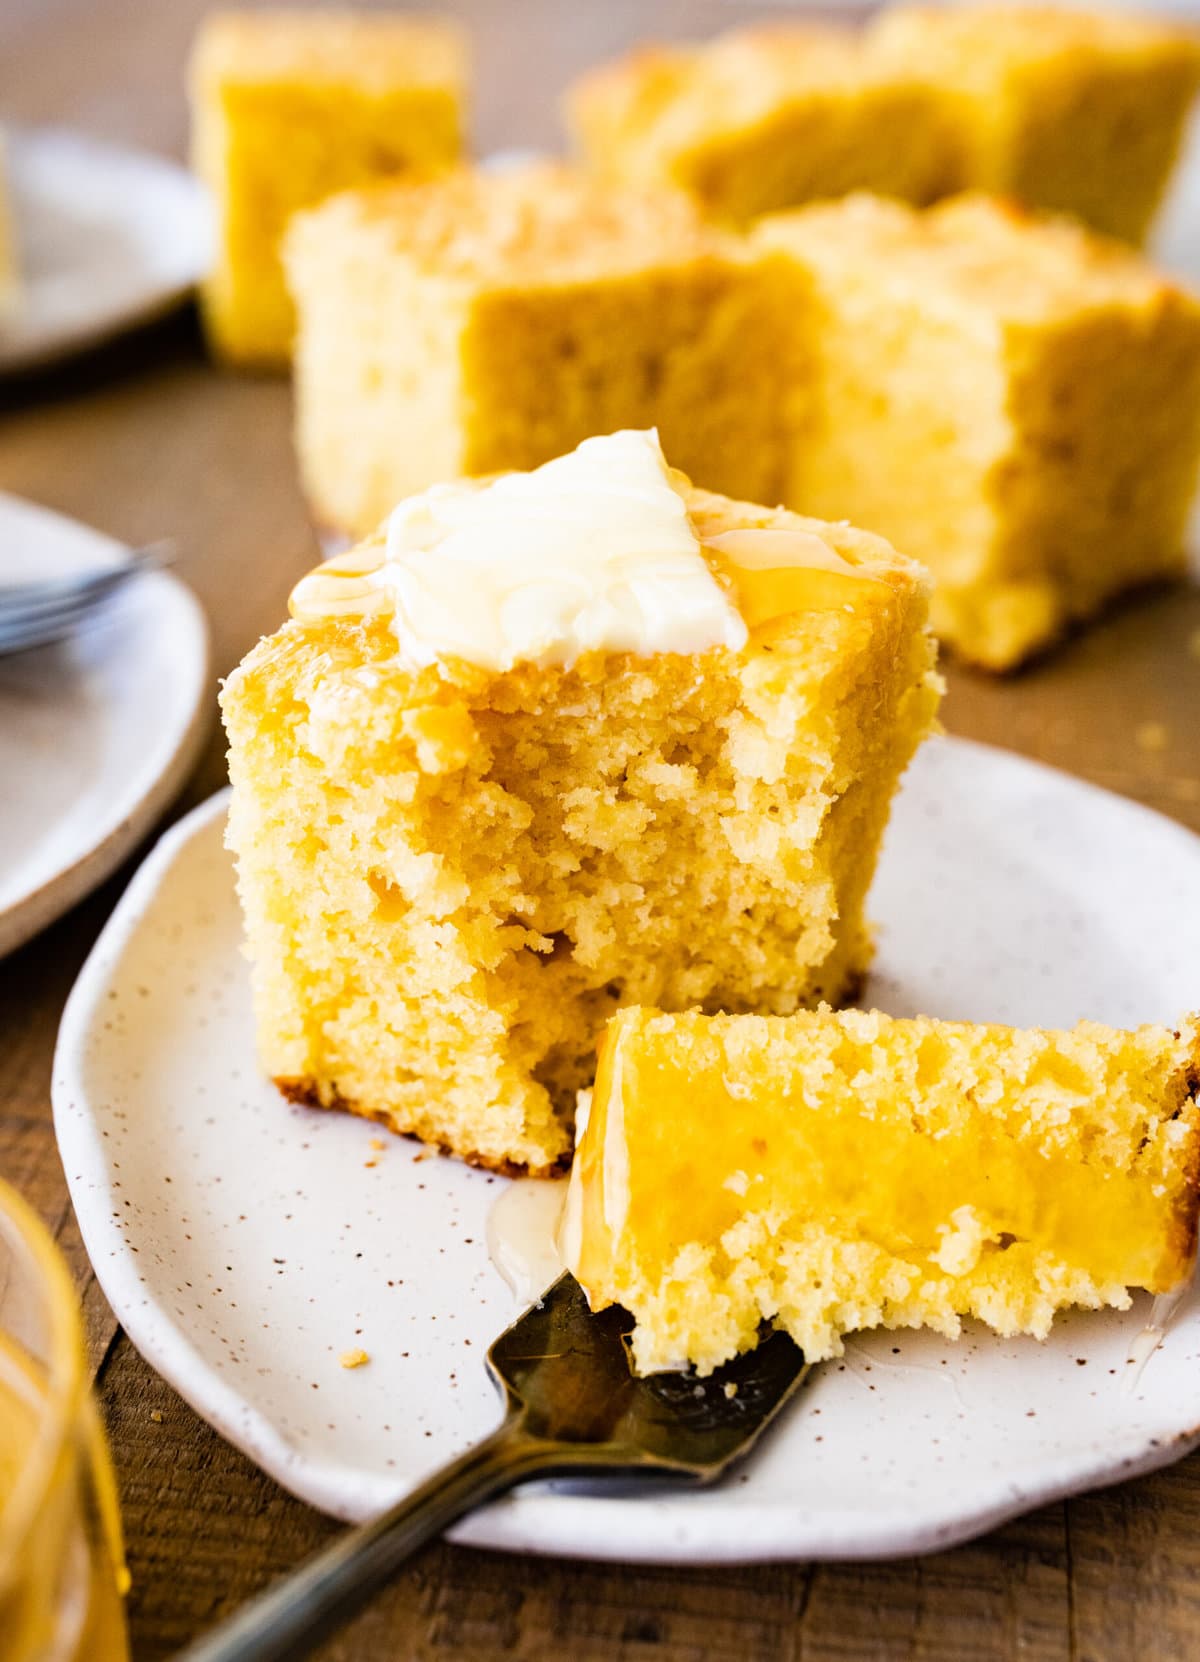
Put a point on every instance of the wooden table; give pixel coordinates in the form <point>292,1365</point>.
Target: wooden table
<point>145,439</point>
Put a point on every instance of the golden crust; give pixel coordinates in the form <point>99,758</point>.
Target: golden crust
<point>306,1093</point>
<point>1188,1215</point>
<point>328,48</point>
<point>540,224</point>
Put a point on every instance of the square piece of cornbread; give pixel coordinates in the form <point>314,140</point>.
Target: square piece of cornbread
<point>1010,399</point>
<point>1071,109</point>
<point>290,106</point>
<point>452,873</point>
<point>765,118</point>
<point>830,1172</point>
<point>484,321</point>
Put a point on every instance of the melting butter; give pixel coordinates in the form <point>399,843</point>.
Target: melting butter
<point>594,551</point>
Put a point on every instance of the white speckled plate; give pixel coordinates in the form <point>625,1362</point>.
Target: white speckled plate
<point>107,238</point>
<point>245,1243</point>
<point>97,733</point>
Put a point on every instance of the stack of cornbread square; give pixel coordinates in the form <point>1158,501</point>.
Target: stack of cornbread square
<point>484,322</point>
<point>1077,111</point>
<point>572,749</point>
<point>1011,398</point>
<point>291,106</point>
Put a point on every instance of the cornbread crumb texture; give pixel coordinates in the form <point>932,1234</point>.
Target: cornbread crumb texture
<point>1009,399</point>
<point>291,106</point>
<point>1077,111</point>
<point>832,1172</point>
<point>484,322</point>
<point>356,1358</point>
<point>451,877</point>
<point>765,118</point>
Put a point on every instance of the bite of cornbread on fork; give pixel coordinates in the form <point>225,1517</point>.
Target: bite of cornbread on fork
<point>830,1172</point>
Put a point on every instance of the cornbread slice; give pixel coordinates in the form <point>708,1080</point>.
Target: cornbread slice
<point>453,874</point>
<point>1080,111</point>
<point>834,1172</point>
<point>290,106</point>
<point>1009,399</point>
<point>484,322</point>
<point>764,118</point>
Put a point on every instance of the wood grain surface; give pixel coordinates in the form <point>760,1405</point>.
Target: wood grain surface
<point>146,439</point>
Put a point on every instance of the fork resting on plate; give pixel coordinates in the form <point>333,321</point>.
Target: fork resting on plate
<point>574,1408</point>
<point>47,610</point>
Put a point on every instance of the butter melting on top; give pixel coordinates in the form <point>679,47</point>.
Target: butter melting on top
<point>594,551</point>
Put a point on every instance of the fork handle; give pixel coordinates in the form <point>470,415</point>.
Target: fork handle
<point>303,1608</point>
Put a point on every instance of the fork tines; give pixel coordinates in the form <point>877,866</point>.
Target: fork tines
<point>37,613</point>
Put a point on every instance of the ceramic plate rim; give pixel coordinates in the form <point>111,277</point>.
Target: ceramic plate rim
<point>590,1523</point>
<point>119,832</point>
<point>24,358</point>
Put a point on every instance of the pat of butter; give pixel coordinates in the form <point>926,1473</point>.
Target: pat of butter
<point>591,552</point>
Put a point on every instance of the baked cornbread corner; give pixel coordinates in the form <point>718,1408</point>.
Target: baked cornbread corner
<point>486,321</point>
<point>831,1172</point>
<point>1076,110</point>
<point>766,117</point>
<point>453,869</point>
<point>289,106</point>
<point>1008,398</point>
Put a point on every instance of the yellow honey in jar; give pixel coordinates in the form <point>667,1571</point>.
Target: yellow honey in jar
<point>62,1573</point>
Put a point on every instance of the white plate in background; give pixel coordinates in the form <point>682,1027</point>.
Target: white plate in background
<point>244,1244</point>
<point>97,733</point>
<point>107,238</point>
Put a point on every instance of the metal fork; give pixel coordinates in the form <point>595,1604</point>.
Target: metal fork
<point>574,1408</point>
<point>35,614</point>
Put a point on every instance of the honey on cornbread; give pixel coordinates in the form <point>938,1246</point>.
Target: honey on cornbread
<point>545,746</point>
<point>290,106</point>
<point>1008,398</point>
<point>485,321</point>
<point>766,117</point>
<point>830,1172</point>
<point>1080,111</point>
